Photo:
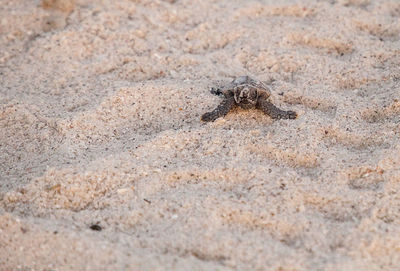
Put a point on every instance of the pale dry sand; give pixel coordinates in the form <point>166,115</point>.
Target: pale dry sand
<point>100,124</point>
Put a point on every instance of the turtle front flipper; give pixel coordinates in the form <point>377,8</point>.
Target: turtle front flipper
<point>216,91</point>
<point>221,110</point>
<point>274,112</point>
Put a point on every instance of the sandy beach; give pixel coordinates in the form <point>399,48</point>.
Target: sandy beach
<point>106,165</point>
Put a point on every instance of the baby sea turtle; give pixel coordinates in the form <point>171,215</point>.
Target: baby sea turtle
<point>247,93</point>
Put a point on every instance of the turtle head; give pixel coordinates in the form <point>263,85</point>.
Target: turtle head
<point>245,94</point>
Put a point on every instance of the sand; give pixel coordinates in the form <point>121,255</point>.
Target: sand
<point>100,105</point>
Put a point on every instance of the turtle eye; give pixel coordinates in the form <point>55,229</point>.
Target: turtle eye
<point>237,94</point>
<point>252,96</point>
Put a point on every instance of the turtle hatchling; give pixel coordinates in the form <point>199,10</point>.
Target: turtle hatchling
<point>247,93</point>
